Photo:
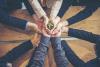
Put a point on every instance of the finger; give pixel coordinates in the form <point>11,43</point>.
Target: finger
<point>55,32</point>
<point>56,21</point>
<point>56,35</point>
<point>45,33</point>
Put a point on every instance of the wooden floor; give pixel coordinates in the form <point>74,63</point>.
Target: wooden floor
<point>83,49</point>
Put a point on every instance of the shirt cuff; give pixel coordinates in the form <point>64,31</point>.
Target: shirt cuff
<point>71,32</point>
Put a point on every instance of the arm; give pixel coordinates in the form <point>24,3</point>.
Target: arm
<point>5,18</point>
<point>88,36</point>
<point>59,53</point>
<point>85,13</point>
<point>37,8</point>
<point>29,7</point>
<point>55,8</point>
<point>65,6</point>
<point>39,53</point>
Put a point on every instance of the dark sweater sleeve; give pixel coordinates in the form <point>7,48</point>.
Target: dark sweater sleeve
<point>29,7</point>
<point>88,36</point>
<point>5,18</point>
<point>88,11</point>
<point>65,5</point>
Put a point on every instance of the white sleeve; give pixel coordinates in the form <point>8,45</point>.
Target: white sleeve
<point>37,8</point>
<point>55,8</point>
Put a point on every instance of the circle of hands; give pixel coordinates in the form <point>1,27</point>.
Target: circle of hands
<point>41,26</point>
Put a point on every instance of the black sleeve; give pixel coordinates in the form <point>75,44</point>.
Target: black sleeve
<point>85,13</point>
<point>29,7</point>
<point>65,5</point>
<point>88,36</point>
<point>5,18</point>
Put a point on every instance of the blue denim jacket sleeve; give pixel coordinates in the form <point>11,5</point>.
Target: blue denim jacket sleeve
<point>88,36</point>
<point>59,53</point>
<point>5,18</point>
<point>39,54</point>
<point>44,40</point>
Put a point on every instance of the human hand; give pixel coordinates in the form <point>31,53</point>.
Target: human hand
<point>52,24</point>
<point>60,26</point>
<point>41,24</point>
<point>32,27</point>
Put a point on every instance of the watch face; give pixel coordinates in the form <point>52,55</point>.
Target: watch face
<point>50,25</point>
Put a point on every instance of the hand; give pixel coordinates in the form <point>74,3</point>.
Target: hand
<point>65,29</point>
<point>60,26</point>
<point>41,23</point>
<point>31,27</point>
<point>54,22</point>
<point>45,33</point>
<point>57,34</point>
<point>46,20</point>
<point>36,18</point>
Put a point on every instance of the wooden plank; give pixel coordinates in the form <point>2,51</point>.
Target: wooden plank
<point>91,24</point>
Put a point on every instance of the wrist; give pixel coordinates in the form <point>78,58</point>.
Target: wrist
<point>65,29</point>
<point>30,26</point>
<point>65,23</point>
<point>27,26</point>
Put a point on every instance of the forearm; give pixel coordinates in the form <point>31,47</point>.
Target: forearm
<point>71,56</point>
<point>40,52</point>
<point>88,36</point>
<point>55,8</point>
<point>55,41</point>
<point>37,8</point>
<point>59,53</point>
<point>85,13</point>
<point>65,5</point>
<point>29,7</point>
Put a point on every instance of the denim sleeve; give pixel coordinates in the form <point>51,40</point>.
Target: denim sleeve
<point>88,36</point>
<point>39,54</point>
<point>5,18</point>
<point>65,5</point>
<point>59,53</point>
<point>44,40</point>
<point>88,11</point>
<point>29,7</point>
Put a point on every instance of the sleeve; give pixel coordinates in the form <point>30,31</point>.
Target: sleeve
<point>65,6</point>
<point>88,36</point>
<point>85,13</point>
<point>29,7</point>
<point>5,18</point>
